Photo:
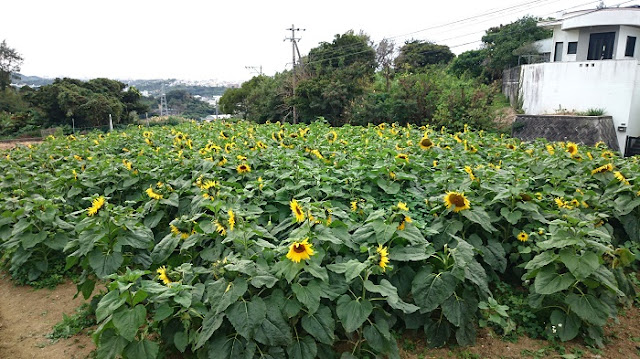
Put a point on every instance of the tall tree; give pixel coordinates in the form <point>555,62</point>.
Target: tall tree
<point>336,74</point>
<point>416,55</point>
<point>384,57</point>
<point>502,41</point>
<point>10,62</point>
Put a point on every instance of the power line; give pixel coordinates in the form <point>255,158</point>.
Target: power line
<point>452,38</point>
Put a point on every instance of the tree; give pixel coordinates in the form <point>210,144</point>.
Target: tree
<point>502,41</point>
<point>10,62</point>
<point>416,55</point>
<point>336,73</point>
<point>470,62</point>
<point>384,57</point>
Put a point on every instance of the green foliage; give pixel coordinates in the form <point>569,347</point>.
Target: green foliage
<point>433,97</point>
<point>592,112</point>
<point>184,104</point>
<point>415,55</point>
<point>502,41</point>
<point>194,231</point>
<point>470,63</point>
<point>336,74</point>
<point>89,103</point>
<point>10,62</point>
<point>71,325</point>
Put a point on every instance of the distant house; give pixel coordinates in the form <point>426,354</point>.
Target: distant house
<point>594,64</point>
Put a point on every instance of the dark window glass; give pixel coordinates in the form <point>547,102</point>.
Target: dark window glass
<point>601,46</point>
<point>572,48</point>
<point>631,46</point>
<point>557,55</point>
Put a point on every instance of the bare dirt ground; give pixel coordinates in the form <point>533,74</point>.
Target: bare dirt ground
<point>28,315</point>
<point>11,144</point>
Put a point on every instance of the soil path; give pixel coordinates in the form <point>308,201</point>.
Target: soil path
<point>28,315</point>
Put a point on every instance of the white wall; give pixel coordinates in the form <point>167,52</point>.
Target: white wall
<point>565,37</point>
<point>624,32</point>
<point>611,85</point>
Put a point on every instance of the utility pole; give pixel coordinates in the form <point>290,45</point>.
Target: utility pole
<point>164,110</point>
<point>294,49</point>
<point>256,69</point>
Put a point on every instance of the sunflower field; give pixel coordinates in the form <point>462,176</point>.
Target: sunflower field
<point>238,240</point>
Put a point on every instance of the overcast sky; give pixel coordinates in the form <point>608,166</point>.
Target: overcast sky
<point>198,39</point>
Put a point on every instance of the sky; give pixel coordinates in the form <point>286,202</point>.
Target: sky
<point>230,40</point>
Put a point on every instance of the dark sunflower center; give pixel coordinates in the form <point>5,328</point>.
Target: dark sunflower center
<point>457,200</point>
<point>298,211</point>
<point>243,167</point>
<point>426,142</point>
<point>299,248</point>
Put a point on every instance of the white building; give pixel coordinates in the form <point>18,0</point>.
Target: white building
<point>594,64</point>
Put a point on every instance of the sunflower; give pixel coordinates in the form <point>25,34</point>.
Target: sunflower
<point>231,220</point>
<point>402,224</point>
<point>620,177</point>
<point>296,210</point>
<point>560,202</point>
<point>470,172</point>
<point>572,148</point>
<point>354,206</point>
<point>300,250</point>
<point>523,237</point>
<point>603,168</point>
<point>403,156</point>
<point>209,184</point>
<point>426,143</point>
<point>435,163</point>
<point>456,200</point>
<point>128,165</point>
<point>220,228</point>
<point>147,134</point>
<point>606,154</point>
<point>332,136</point>
<point>96,204</point>
<point>75,174</point>
<point>243,168</point>
<point>162,275</point>
<point>384,257</point>
<point>550,149</point>
<point>402,206</point>
<point>153,194</point>
<point>177,232</point>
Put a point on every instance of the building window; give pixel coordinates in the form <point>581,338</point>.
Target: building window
<point>572,48</point>
<point>557,56</point>
<point>631,46</point>
<point>601,46</point>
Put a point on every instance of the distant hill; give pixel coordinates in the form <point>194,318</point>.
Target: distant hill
<point>152,88</point>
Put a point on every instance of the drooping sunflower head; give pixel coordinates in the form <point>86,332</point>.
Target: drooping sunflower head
<point>523,237</point>
<point>383,252</point>
<point>620,177</point>
<point>243,168</point>
<point>297,211</point>
<point>332,136</point>
<point>606,154</point>
<point>572,148</point>
<point>457,200</point>
<point>403,156</point>
<point>220,228</point>
<point>96,204</point>
<point>402,206</point>
<point>153,194</point>
<point>162,275</point>
<point>300,250</point>
<point>426,143</point>
<point>354,206</point>
<point>604,168</point>
<point>231,220</point>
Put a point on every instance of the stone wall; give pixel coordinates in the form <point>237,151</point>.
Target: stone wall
<point>511,84</point>
<point>585,130</point>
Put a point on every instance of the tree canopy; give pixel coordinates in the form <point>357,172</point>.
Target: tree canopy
<point>416,55</point>
<point>10,62</point>
<point>501,42</point>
